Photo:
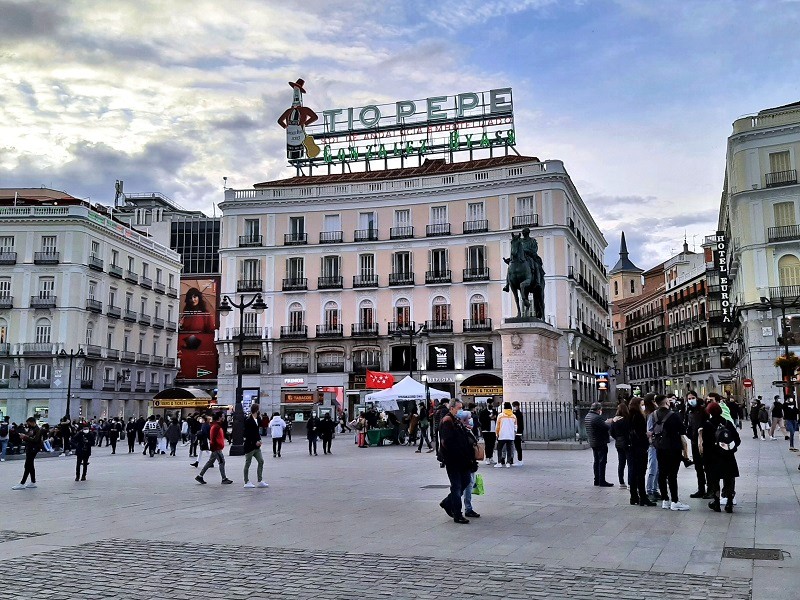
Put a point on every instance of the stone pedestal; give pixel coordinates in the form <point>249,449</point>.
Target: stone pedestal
<point>530,360</point>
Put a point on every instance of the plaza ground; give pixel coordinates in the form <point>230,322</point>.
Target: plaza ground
<point>366,523</point>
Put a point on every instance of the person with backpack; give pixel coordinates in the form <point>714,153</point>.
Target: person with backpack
<point>667,440</point>
<point>754,412</point>
<point>719,442</point>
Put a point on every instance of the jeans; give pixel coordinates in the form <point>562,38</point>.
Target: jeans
<point>30,468</point>
<point>490,439</point>
<point>152,441</point>
<point>459,481</point>
<point>248,458</point>
<point>652,471</point>
<point>468,493</point>
<point>637,466</point>
<point>505,451</point>
<point>312,445</point>
<point>216,455</point>
<point>699,467</point>
<point>3,447</point>
<point>669,461</point>
<point>326,445</point>
<point>425,437</point>
<point>599,464</point>
<point>518,446</point>
<point>791,426</point>
<point>622,459</point>
<point>83,461</point>
<point>276,446</point>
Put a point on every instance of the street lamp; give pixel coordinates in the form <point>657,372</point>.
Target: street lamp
<point>411,332</point>
<point>783,302</point>
<point>257,302</point>
<point>72,354</point>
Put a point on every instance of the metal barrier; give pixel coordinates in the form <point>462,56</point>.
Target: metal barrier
<point>550,421</point>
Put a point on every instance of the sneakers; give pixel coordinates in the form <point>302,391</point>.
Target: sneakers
<point>622,486</point>
<point>199,479</point>
<point>472,513</point>
<point>508,466</point>
<point>59,456</point>
<point>194,464</point>
<point>792,449</point>
<point>724,500</point>
<point>19,486</point>
<point>519,463</point>
<point>31,485</point>
<point>249,485</point>
<point>498,466</point>
<point>665,504</point>
<point>227,481</point>
<point>698,494</point>
<point>262,484</point>
<point>679,506</point>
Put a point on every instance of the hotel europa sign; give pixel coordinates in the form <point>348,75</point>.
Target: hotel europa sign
<point>406,129</point>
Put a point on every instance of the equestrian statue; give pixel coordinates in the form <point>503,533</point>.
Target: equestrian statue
<point>525,276</point>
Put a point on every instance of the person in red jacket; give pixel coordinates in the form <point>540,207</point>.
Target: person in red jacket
<point>217,443</point>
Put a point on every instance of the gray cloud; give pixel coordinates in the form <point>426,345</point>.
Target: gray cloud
<point>28,20</point>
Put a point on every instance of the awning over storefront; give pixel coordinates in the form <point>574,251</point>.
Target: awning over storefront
<point>482,384</point>
<point>187,397</point>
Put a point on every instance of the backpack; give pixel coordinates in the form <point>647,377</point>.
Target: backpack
<point>659,437</point>
<point>763,415</point>
<point>724,438</point>
<point>4,430</point>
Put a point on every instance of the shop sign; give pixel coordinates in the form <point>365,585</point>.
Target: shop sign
<point>440,356</point>
<point>441,379</point>
<point>188,403</point>
<point>721,262</point>
<point>489,390</point>
<point>478,356</point>
<point>294,382</point>
<point>299,398</point>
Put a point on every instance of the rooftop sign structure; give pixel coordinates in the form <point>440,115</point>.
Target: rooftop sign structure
<point>407,129</point>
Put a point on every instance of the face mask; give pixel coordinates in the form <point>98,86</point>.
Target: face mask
<point>692,402</point>
<point>85,431</point>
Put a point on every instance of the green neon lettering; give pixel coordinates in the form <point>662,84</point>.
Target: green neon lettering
<point>485,143</point>
<point>469,140</point>
<point>510,138</point>
<point>409,149</point>
<point>326,154</point>
<point>341,156</point>
<point>353,152</point>
<point>454,144</point>
<point>423,147</point>
<point>498,135</point>
<point>397,150</point>
<point>381,151</point>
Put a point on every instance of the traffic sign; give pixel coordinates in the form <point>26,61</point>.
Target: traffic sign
<point>748,383</point>
<point>786,383</point>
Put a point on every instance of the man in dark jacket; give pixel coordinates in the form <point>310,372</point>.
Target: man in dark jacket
<point>515,408</point>
<point>696,419</point>
<point>33,444</point>
<point>83,442</point>
<point>458,455</point>
<point>667,440</point>
<point>597,429</point>
<point>252,448</point>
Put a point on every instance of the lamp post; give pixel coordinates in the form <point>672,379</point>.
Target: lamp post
<point>257,302</point>
<point>411,332</point>
<point>72,354</point>
<point>783,302</point>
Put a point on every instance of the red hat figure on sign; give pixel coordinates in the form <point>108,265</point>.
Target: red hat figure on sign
<point>294,120</point>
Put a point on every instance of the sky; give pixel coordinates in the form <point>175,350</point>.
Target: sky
<point>636,97</point>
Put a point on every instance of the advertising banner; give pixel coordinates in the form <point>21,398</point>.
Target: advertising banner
<point>198,321</point>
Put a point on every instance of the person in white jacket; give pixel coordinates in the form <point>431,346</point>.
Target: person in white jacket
<point>277,427</point>
<point>506,431</point>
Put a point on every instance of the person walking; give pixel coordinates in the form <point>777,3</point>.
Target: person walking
<point>777,418</point>
<point>65,433</point>
<point>696,418</point>
<point>184,431</point>
<point>620,428</point>
<point>277,427</point>
<point>252,448</point>
<point>203,435</point>
<point>597,432</point>
<point>638,443</point>
<point>140,422</point>
<point>217,444</point>
<point>763,420</point>
<point>515,408</point>
<point>311,434</point>
<point>790,418</point>
<point>4,431</point>
<point>194,429</point>
<point>130,434</point>
<point>152,433</point>
<point>506,431</point>
<point>719,441</point>
<point>487,425</point>
<point>468,422</point>
<point>33,444</point>
<point>326,430</point>
<point>458,455</point>
<point>82,441</point>
<point>755,409</point>
<point>172,435</point>
<point>667,440</point>
<point>113,434</point>
<point>424,426</point>
<point>343,426</point>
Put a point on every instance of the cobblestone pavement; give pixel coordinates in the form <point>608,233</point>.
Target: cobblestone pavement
<point>181,571</point>
<point>9,536</point>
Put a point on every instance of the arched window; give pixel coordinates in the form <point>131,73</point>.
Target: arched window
<point>297,317</point>
<point>402,312</point>
<point>477,309</point>
<point>43,331</point>
<point>440,311</point>
<point>366,313</point>
<point>633,286</point>
<point>331,315</point>
<point>789,270</point>
<point>3,331</point>
<point>89,332</point>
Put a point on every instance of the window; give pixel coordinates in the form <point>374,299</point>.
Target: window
<point>49,243</point>
<point>295,268</point>
<point>441,310</point>
<point>250,320</point>
<point>46,287</point>
<point>169,313</point>
<point>331,315</point>
<point>616,288</point>
<point>87,374</point>
<point>401,263</point>
<point>6,243</point>
<point>332,223</point>
<point>112,296</point>
<point>402,218</point>
<point>153,379</point>
<point>525,206</point>
<point>784,213</point>
<point>252,229</point>
<point>476,257</point>
<point>110,337</point>
<point>89,333</point>
<point>366,313</point>
<point>169,345</point>
<point>477,309</point>
<point>167,378</point>
<point>156,341</point>
<point>438,215</point>
<point>141,343</point>
<point>129,302</point>
<point>789,270</point>
<point>145,269</point>
<point>475,211</point>
<point>143,306</point>
<point>157,311</point>
<point>437,262</point>
<point>331,266</point>
<point>633,286</point>
<point>126,341</point>
<point>366,265</point>
<point>131,264</point>
<point>402,312</point>
<point>251,269</point>
<point>171,280</point>
<point>95,249</point>
<point>39,372</point>
<point>92,293</point>
<point>115,258</point>
<point>159,275</point>
<point>779,161</point>
<point>108,375</point>
<point>139,377</point>
<point>297,316</point>
<point>368,221</point>
<point>3,331</point>
<point>297,226</point>
<point>43,331</point>
<point>5,287</point>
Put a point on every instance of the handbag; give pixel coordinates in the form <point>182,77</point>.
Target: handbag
<point>480,452</point>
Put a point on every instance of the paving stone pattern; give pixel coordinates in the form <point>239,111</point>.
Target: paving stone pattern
<point>157,569</point>
<point>7,535</point>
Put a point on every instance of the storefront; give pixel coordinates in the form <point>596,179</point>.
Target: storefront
<point>180,402</point>
<point>483,388</point>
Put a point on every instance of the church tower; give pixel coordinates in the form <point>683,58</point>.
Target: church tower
<point>625,278</point>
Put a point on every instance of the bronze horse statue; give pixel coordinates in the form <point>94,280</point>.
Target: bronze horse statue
<point>525,278</point>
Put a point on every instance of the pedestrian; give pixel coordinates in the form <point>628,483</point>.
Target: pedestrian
<point>101,432</point>
<point>287,434</point>
<point>506,430</point>
<point>719,442</point>
<point>277,428</point>
<point>696,418</point>
<point>597,432</point>
<point>619,431</point>
<point>763,420</point>
<point>520,430</point>
<point>488,432</point>
<point>113,435</point>
<point>217,445</point>
<point>82,441</point>
<point>162,438</point>
<point>361,428</point>
<point>667,440</point>
<point>172,435</point>
<point>65,433</point>
<point>194,428</point>
<point>140,430</point>
<point>130,434</point>
<point>638,443</point>
<point>755,409</point>
<point>468,422</point>
<point>32,436</point>
<point>424,426</point>
<point>252,448</point>
<point>343,427</point>
<point>326,430</point>
<point>311,434</point>
<point>203,435</point>
<point>650,408</point>
<point>4,431</point>
<point>790,417</point>
<point>184,431</point>
<point>458,455</point>
<point>777,419</point>
<point>413,425</point>
<point>152,432</point>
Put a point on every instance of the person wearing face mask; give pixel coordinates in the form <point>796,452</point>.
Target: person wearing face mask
<point>790,418</point>
<point>83,442</point>
<point>696,419</point>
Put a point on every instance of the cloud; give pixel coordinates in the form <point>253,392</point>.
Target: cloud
<point>28,20</point>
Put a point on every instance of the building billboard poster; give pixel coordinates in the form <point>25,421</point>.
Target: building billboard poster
<point>198,321</point>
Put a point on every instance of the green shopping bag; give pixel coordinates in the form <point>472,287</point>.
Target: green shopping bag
<point>478,489</point>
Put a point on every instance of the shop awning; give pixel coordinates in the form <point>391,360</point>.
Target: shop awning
<point>186,393</point>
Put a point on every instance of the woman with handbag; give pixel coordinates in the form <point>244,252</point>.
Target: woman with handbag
<point>466,419</point>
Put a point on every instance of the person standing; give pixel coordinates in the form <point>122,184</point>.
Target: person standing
<point>130,434</point>
<point>487,432</point>
<point>777,418</point>
<point>520,430</point>
<point>755,409</point>
<point>277,427</point>
<point>696,418</point>
<point>597,431</point>
<point>152,432</point>
<point>667,440</point>
<point>113,435</point>
<point>252,448</point>
<point>172,435</point>
<point>361,428</point>
<point>719,441</point>
<point>184,431</point>
<point>468,422</point>
<point>65,433</point>
<point>202,440</point>
<point>140,422</point>
<point>458,455</point>
<point>217,444</point>
<point>424,426</point>
<point>638,443</point>
<point>287,433</point>
<point>4,430</point>
<point>619,431</point>
<point>311,434</point>
<point>33,444</point>
<point>83,442</point>
<point>651,483</point>
<point>326,430</point>
<point>194,428</point>
<point>790,418</point>
<point>506,431</point>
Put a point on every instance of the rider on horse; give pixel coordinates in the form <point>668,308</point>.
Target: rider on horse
<point>530,248</point>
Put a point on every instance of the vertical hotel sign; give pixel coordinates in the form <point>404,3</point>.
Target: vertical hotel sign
<point>721,263</point>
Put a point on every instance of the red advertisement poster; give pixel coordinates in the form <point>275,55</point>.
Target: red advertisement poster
<point>198,321</point>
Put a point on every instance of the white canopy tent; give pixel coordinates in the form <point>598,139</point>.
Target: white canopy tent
<point>406,389</point>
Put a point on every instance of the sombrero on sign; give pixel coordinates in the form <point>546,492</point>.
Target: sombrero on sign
<point>298,84</point>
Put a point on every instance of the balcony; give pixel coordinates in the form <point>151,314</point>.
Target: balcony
<point>171,326</point>
<point>437,229</point>
<point>295,239</point>
<point>112,354</point>
<point>362,367</point>
<point>248,331</point>
<point>250,285</point>
<point>365,281</point>
<point>87,384</point>
<point>109,385</point>
<point>159,288</point>
<point>6,302</point>
<point>143,359</point>
<point>295,284</point>
<point>481,226</point>
<point>331,237</point>
<point>153,387</point>
<point>784,233</point>
<point>114,312</point>
<point>401,279</point>
<point>94,305</point>
<point>364,330</point>
<point>330,283</point>
<point>250,241</point>
<point>780,178</point>
<point>169,362</point>
<point>365,235</point>
<point>115,271</point>
<point>525,221</point>
<point>434,277</point>
<point>401,233</point>
<point>43,302</point>
<point>157,361</point>
<point>141,386</point>
<point>476,274</point>
<point>472,325</point>
<point>46,258</point>
<point>146,282</point>
<point>125,386</point>
<point>8,258</point>
<point>38,383</point>
<point>95,263</point>
<point>330,331</point>
<point>37,349</point>
<point>127,356</point>
<point>294,367</point>
<point>129,315</point>
<point>441,326</point>
<point>172,292</point>
<point>336,366</point>
<point>131,277</point>
<point>294,332</point>
<point>785,291</point>
<point>251,368</point>
<point>92,351</point>
<point>158,322</point>
<point>407,327</point>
